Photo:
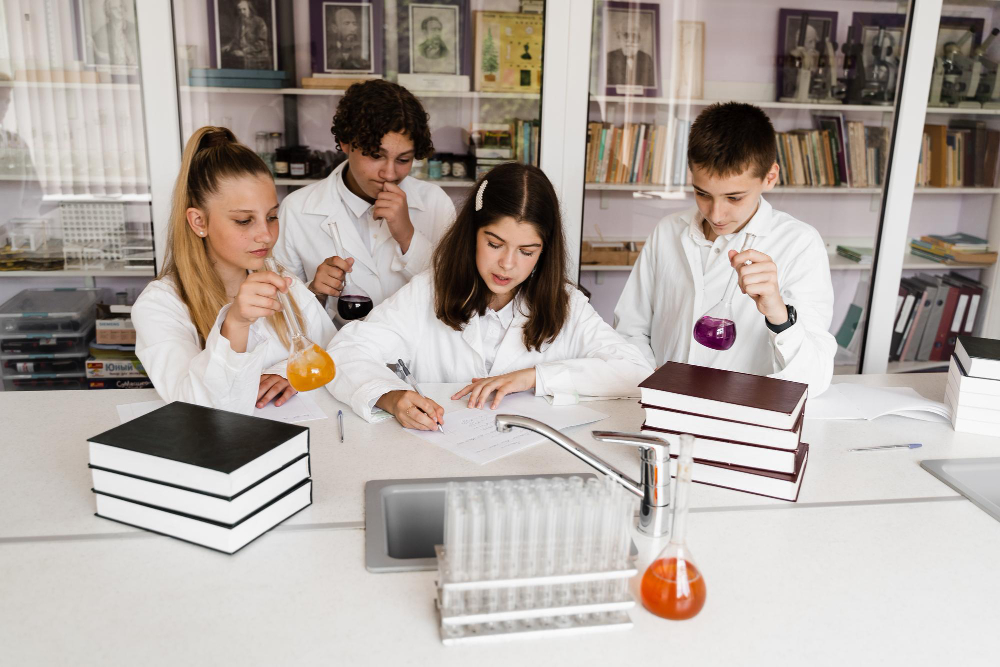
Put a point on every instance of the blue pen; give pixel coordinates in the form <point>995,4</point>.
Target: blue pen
<point>912,445</point>
<point>340,423</point>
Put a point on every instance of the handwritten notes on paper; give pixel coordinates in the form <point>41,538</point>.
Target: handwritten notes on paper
<point>472,434</point>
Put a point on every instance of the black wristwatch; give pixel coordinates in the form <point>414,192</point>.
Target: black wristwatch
<point>778,328</point>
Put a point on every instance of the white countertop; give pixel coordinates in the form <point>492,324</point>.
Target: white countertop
<point>877,562</point>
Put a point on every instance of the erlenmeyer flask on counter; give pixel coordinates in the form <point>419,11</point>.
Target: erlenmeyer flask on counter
<point>716,329</point>
<point>672,586</point>
<point>309,366</point>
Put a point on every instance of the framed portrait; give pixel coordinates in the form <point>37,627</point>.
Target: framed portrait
<point>819,26</point>
<point>687,61</point>
<point>107,39</point>
<point>346,37</point>
<point>435,44</point>
<point>243,34</point>
<point>631,48</point>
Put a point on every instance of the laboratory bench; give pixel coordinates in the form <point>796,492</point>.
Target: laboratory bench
<point>877,563</point>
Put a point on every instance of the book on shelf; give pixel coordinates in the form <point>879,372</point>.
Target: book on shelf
<point>640,153</point>
<point>934,253</point>
<point>861,255</point>
<point>961,154</point>
<point>120,383</point>
<point>779,485</point>
<point>958,242</point>
<point>931,313</point>
<point>979,357</point>
<point>726,395</point>
<point>210,477</point>
<point>317,82</point>
<point>834,154</point>
<point>749,455</point>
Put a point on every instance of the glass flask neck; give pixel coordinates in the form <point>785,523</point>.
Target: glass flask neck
<point>682,489</point>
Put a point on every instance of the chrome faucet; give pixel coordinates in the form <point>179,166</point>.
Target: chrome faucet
<point>653,487</point>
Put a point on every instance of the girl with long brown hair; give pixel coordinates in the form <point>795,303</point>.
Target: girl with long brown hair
<point>496,311</point>
<point>210,330</point>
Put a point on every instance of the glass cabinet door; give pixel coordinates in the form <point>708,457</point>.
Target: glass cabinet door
<point>274,72</point>
<point>952,235</point>
<point>74,181</point>
<point>826,74</point>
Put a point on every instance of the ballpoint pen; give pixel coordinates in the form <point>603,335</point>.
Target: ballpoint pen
<point>340,423</point>
<point>912,445</point>
<point>410,381</point>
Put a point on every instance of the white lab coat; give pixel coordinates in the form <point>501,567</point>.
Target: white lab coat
<point>668,291</point>
<point>587,358</point>
<point>306,238</point>
<point>167,344</point>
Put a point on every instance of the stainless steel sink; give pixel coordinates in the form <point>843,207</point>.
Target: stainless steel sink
<point>404,520</point>
<point>976,479</point>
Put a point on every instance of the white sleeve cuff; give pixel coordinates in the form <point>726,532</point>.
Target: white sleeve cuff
<point>417,257</point>
<point>364,399</point>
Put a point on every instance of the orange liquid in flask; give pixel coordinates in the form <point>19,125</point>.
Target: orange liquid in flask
<point>311,369</point>
<point>673,592</point>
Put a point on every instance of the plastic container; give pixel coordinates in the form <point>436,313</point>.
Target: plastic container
<point>48,311</point>
<point>28,364</point>
<point>63,342</point>
<point>44,381</point>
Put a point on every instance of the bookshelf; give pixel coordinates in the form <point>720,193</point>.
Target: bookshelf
<point>798,190</point>
<point>326,92</point>
<point>442,182</point>
<point>82,273</point>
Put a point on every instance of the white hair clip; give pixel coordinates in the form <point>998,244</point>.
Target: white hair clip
<point>479,196</point>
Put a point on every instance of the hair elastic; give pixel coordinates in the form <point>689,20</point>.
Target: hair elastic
<point>479,196</point>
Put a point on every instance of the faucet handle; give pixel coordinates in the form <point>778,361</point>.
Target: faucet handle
<point>641,440</point>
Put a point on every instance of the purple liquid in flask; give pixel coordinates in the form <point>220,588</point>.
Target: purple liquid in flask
<point>715,333</point>
<point>716,329</point>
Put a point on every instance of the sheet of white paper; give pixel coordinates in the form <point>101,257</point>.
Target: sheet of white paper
<point>832,404</point>
<point>300,408</point>
<point>857,401</point>
<point>471,433</point>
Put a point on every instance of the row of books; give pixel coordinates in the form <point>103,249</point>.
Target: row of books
<point>859,254</point>
<point>496,143</point>
<point>931,313</point>
<point>973,390</point>
<point>959,248</point>
<point>961,154</point>
<point>206,476</point>
<point>836,153</point>
<point>748,428</point>
<point>637,153</point>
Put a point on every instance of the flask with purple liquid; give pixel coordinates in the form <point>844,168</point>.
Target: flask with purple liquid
<point>716,329</point>
<point>354,302</point>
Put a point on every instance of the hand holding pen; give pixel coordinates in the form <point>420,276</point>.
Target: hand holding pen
<point>411,408</point>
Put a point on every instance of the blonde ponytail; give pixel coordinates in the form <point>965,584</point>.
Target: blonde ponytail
<point>210,155</point>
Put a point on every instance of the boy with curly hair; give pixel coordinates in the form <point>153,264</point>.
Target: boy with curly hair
<point>367,218</point>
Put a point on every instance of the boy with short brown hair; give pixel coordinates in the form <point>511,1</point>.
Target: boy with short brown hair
<point>782,329</point>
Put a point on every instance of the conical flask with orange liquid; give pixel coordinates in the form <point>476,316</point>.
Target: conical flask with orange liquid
<point>673,587</point>
<point>309,366</point>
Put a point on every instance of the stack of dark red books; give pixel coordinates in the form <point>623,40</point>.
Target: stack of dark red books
<point>748,427</point>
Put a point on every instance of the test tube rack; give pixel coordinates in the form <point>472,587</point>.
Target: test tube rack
<point>518,616</point>
<point>532,559</point>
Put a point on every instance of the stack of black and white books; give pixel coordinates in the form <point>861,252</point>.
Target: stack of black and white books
<point>211,477</point>
<point>973,391</point>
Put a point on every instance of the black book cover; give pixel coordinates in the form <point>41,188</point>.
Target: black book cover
<point>204,437</point>
<point>981,348</point>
